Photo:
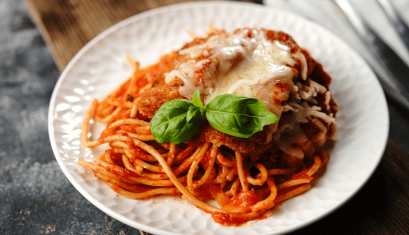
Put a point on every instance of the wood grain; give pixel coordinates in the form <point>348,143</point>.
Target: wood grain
<point>381,207</point>
<point>144,233</point>
<point>67,25</point>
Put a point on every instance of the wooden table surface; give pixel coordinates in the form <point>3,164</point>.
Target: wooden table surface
<point>381,207</point>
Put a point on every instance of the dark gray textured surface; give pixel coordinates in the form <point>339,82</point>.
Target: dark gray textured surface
<point>35,196</point>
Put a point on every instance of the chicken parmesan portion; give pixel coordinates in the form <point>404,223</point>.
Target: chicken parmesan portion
<point>239,118</point>
<point>259,63</point>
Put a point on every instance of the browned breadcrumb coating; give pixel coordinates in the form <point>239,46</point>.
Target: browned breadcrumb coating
<point>169,62</point>
<point>161,92</point>
<point>154,98</point>
<point>255,145</point>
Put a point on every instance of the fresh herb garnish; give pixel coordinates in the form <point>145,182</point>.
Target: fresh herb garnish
<point>178,120</point>
<point>237,115</point>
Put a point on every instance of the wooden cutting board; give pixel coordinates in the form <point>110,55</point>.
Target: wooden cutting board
<point>67,25</point>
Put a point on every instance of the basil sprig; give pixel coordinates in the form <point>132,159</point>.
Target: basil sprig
<point>178,120</point>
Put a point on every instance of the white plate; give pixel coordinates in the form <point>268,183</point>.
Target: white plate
<point>100,67</point>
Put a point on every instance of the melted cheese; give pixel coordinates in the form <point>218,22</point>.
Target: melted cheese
<point>236,64</point>
<point>302,113</point>
<point>251,66</point>
<point>304,66</point>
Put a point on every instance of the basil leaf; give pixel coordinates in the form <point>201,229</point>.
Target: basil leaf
<point>176,121</point>
<point>194,112</point>
<point>237,115</point>
<point>196,100</point>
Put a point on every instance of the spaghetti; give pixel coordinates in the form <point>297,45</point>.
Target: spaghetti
<point>244,185</point>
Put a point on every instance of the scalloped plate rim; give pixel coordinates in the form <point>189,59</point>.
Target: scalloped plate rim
<point>159,10</point>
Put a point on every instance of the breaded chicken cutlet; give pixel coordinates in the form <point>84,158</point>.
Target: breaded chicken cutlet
<point>258,63</point>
